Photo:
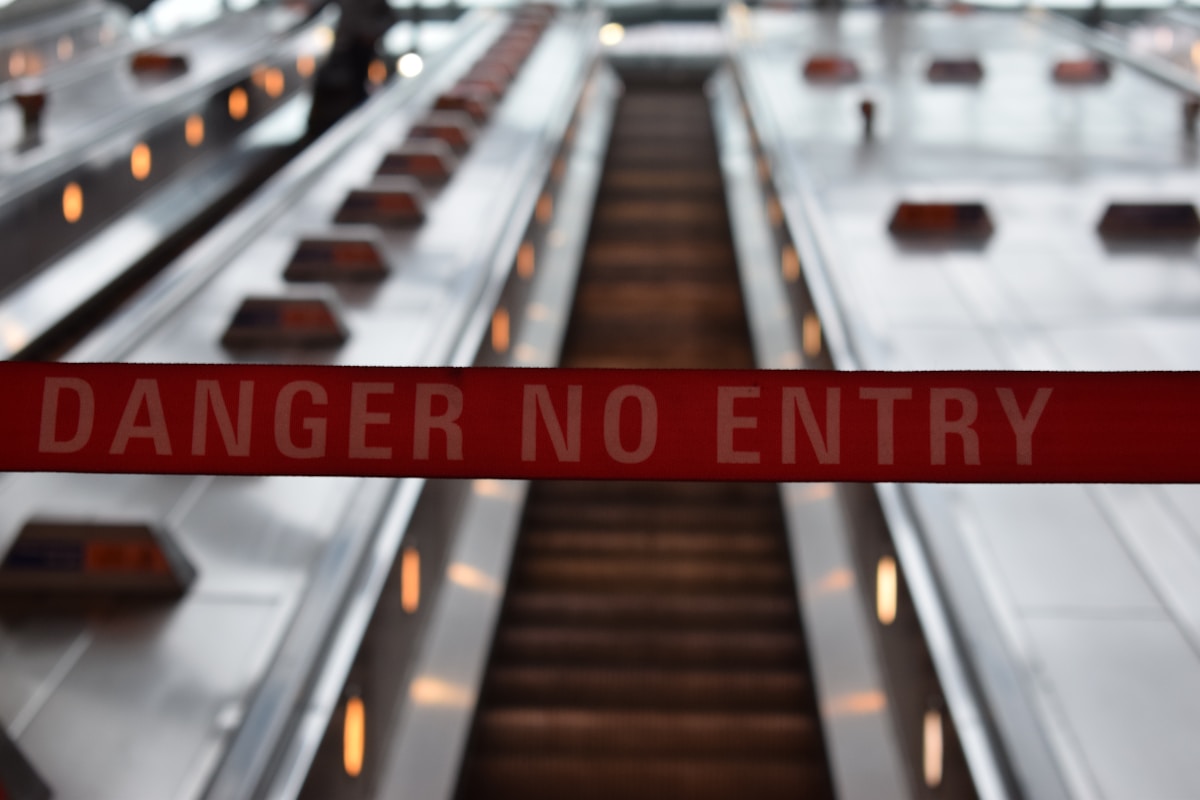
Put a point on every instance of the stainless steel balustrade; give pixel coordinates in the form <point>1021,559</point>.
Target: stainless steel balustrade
<point>217,695</point>
<point>1039,603</point>
<point>64,253</point>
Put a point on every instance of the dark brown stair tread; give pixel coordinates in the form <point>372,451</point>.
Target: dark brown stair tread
<point>612,299</point>
<point>667,177</point>
<point>663,194</point>
<point>623,646</point>
<point>669,105</point>
<point>690,492</point>
<point>720,357</point>
<point>649,158</point>
<point>696,690</point>
<point>673,517</point>
<point>666,543</point>
<point>622,573</point>
<point>680,151</point>
<point>682,609</point>
<point>682,328</point>
<point>650,361</point>
<point>662,260</point>
<point>600,299</point>
<point>576,778</point>
<point>698,228</point>
<point>658,129</point>
<point>647,110</point>
<point>543,731</point>
<point>662,211</point>
<point>698,359</point>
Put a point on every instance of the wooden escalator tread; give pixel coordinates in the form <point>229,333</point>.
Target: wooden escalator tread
<point>650,642</point>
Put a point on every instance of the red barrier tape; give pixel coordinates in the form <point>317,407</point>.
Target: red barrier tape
<point>612,424</point>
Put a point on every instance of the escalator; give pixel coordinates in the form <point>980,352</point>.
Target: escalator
<point>650,643</point>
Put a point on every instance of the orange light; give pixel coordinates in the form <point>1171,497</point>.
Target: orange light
<point>239,103</point>
<point>932,748</point>
<point>525,353</point>
<point>410,580</point>
<point>886,589</point>
<point>789,264</point>
<point>526,260</point>
<point>354,736</point>
<point>811,335</point>
<point>273,82</point>
<point>856,704</point>
<point>72,202</point>
<point>139,161</point>
<point>259,76</point>
<point>473,578</point>
<point>490,487</point>
<point>816,492</point>
<point>429,691</point>
<point>193,130</point>
<point>836,580</point>
<point>545,209</point>
<point>305,66</point>
<point>500,330</point>
<point>377,72</point>
<point>65,48</point>
<point>17,63</point>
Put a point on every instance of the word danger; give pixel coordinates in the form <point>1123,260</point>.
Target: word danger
<point>619,424</point>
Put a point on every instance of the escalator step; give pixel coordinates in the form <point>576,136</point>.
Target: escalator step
<point>662,212</point>
<point>679,610</point>
<point>694,690</point>
<point>645,733</point>
<point>644,493</point>
<point>663,543</point>
<point>641,647</point>
<point>663,178</point>
<point>583,778</point>
<point>601,516</point>
<point>607,301</point>
<point>624,574</point>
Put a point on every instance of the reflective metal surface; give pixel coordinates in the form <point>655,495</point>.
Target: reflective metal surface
<point>276,557</point>
<point>103,188</point>
<point>1070,600</point>
<point>104,96</point>
<point>39,37</point>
